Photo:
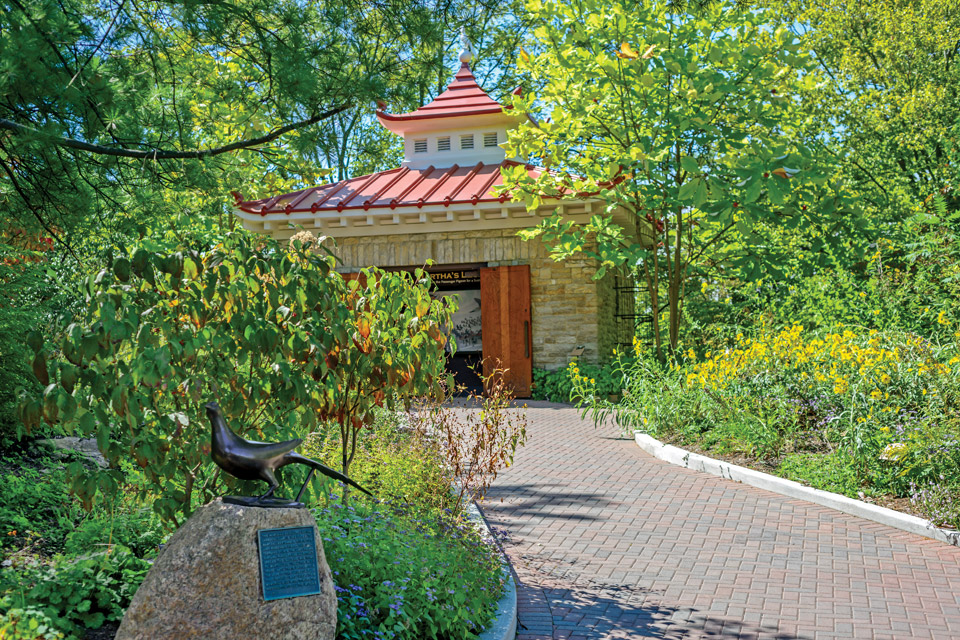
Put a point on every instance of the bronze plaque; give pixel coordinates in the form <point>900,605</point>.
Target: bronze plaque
<point>288,562</point>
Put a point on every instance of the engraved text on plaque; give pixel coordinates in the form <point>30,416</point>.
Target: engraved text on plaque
<point>288,562</point>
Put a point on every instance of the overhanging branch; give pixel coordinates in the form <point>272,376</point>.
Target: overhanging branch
<point>157,154</point>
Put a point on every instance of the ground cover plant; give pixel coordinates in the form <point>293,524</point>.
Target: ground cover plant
<point>406,572</point>
<point>66,569</point>
<point>27,624</point>
<point>407,566</point>
<point>36,512</point>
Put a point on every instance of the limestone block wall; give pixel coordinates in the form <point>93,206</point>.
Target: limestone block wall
<point>568,309</point>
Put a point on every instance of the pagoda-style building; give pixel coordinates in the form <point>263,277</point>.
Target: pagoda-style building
<point>516,304</point>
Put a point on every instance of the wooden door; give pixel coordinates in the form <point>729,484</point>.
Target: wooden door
<point>505,325</point>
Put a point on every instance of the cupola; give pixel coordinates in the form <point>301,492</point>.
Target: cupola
<point>462,125</point>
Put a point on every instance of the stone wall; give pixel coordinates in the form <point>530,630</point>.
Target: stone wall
<point>568,309</point>
<point>606,316</point>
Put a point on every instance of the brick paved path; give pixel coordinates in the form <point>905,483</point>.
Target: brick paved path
<point>608,542</point>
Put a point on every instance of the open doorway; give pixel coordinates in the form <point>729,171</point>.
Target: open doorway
<point>466,329</point>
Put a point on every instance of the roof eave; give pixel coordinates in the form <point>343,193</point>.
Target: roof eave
<point>381,210</point>
<point>402,124</point>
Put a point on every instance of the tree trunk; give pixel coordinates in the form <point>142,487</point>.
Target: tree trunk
<point>652,286</point>
<point>676,281</point>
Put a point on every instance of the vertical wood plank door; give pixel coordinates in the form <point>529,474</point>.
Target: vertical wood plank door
<point>505,325</point>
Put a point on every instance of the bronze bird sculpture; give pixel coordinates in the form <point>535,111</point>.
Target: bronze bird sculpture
<point>249,460</point>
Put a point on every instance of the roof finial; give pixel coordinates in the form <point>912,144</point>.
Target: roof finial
<point>466,54</point>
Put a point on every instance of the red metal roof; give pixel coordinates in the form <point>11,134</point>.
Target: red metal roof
<point>395,188</point>
<point>463,97</point>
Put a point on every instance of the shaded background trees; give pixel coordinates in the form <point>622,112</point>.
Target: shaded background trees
<point>177,103</point>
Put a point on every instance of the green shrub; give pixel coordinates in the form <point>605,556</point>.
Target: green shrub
<point>909,282</point>
<point>391,462</point>
<point>140,531</point>
<point>474,446</point>
<point>884,402</point>
<point>553,386</point>
<point>38,512</point>
<point>825,471</point>
<point>409,567</point>
<point>274,334</point>
<point>653,399</point>
<point>556,386</point>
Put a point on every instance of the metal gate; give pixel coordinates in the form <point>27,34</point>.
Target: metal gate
<point>628,322</point>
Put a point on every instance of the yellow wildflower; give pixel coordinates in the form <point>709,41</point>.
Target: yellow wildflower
<point>840,385</point>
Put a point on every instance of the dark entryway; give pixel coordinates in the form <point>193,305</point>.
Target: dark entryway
<point>466,369</point>
<point>465,365</point>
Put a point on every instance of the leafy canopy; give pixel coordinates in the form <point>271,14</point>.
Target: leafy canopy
<point>123,117</point>
<point>886,100</point>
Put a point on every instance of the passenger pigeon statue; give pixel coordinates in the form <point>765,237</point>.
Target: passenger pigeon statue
<point>249,460</point>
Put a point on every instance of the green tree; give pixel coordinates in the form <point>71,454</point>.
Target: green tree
<point>684,120</point>
<point>887,95</point>
<point>884,105</point>
<point>273,334</point>
<point>355,143</point>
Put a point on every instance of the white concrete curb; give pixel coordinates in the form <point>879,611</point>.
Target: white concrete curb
<point>504,626</point>
<point>789,488</point>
